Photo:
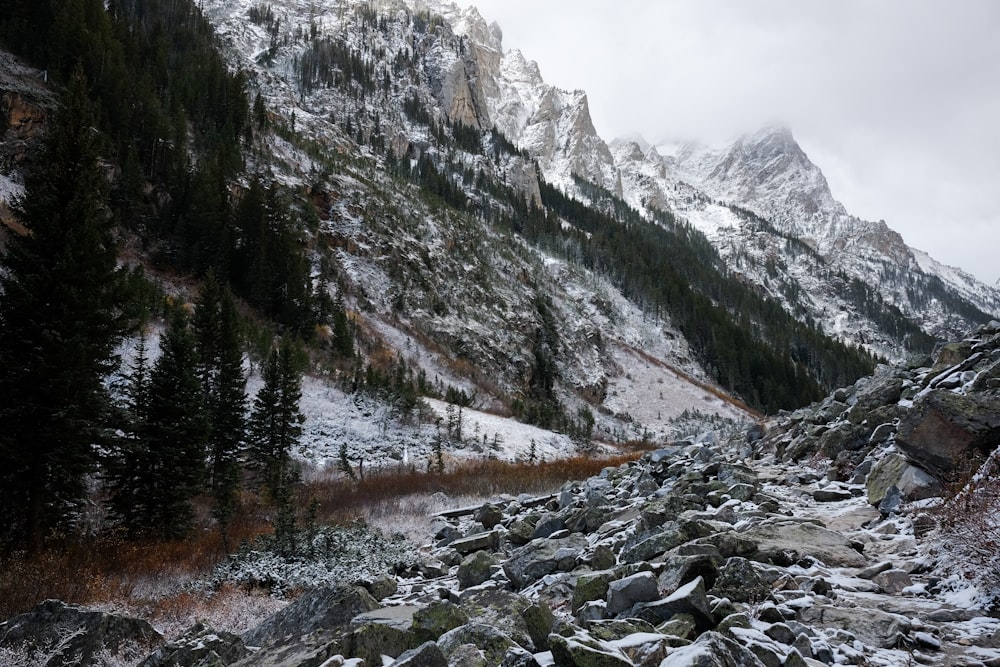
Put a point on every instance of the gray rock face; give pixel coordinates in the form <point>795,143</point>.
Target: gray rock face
<point>689,599</point>
<point>679,568</point>
<point>943,426</point>
<point>373,640</point>
<point>475,569</point>
<point>492,642</point>
<point>437,618</point>
<point>872,626</point>
<point>739,581</point>
<point>317,609</point>
<point>625,593</point>
<point>489,515</point>
<point>831,495</point>
<point>488,541</point>
<point>200,646</point>
<point>541,557</point>
<point>583,651</point>
<point>428,654</point>
<point>884,475</point>
<point>73,635</point>
<point>892,581</point>
<point>310,650</point>
<point>783,542</point>
<point>655,544</point>
<point>712,650</point>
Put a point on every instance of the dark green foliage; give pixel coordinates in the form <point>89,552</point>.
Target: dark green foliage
<point>161,468</point>
<point>540,405</point>
<point>467,137</point>
<point>342,342</point>
<point>62,312</point>
<point>271,271</point>
<point>442,186</point>
<point>220,368</point>
<point>747,342</point>
<point>329,63</point>
<point>275,427</point>
<point>275,422</point>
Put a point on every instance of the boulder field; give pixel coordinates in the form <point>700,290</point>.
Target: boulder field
<point>806,541</point>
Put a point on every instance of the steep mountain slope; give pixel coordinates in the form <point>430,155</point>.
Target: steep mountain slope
<point>904,295</point>
<point>471,221</point>
<point>401,90</point>
<point>770,176</point>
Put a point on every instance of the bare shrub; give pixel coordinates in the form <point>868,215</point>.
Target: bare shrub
<point>968,531</point>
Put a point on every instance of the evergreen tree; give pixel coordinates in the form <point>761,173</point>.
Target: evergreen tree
<point>276,423</point>
<point>61,316</point>
<point>275,427</point>
<point>220,355</point>
<point>122,468</point>
<point>159,471</point>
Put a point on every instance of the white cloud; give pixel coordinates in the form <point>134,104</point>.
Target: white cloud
<point>895,100</point>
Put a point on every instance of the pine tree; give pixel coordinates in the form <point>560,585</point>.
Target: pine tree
<point>160,470</point>
<point>276,423</point>
<point>224,383</point>
<point>177,429</point>
<point>61,316</point>
<point>122,467</point>
<point>275,428</point>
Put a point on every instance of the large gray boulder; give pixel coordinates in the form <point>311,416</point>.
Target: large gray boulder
<point>648,546</point>
<point>200,646</point>
<point>476,568</point>
<point>57,634</point>
<point>739,581</point>
<point>688,599</point>
<point>310,650</point>
<point>784,542</point>
<point>712,650</point>
<point>582,650</point>
<point>373,640</point>
<point>428,654</point>
<point>540,557</point>
<point>872,626</point>
<point>316,609</point>
<point>501,609</point>
<point>629,591</point>
<point>942,427</point>
<point>437,618</point>
<point>493,643</point>
<point>883,476</point>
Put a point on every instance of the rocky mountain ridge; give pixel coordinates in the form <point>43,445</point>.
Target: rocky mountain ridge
<point>784,546</point>
<point>766,173</point>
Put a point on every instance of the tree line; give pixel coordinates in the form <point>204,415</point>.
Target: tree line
<point>182,424</point>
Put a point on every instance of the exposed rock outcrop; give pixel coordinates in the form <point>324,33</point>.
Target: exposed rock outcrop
<point>54,634</point>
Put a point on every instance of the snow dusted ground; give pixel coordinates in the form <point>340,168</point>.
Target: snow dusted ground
<point>9,189</point>
<point>887,540</point>
<point>375,436</point>
<point>652,396</point>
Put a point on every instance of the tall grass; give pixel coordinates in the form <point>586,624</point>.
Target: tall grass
<point>147,578</point>
<point>343,499</point>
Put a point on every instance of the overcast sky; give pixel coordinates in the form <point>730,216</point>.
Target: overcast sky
<point>897,101</point>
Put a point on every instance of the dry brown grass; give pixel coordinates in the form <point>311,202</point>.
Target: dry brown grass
<point>146,578</point>
<point>113,569</point>
<point>342,499</point>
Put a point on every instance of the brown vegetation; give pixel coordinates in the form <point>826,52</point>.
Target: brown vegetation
<point>146,578</point>
<point>968,523</point>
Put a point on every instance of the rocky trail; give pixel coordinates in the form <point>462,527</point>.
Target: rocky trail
<point>806,542</point>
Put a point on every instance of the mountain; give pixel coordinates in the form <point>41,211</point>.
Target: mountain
<point>770,211</point>
<point>855,278</point>
<point>482,239</point>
